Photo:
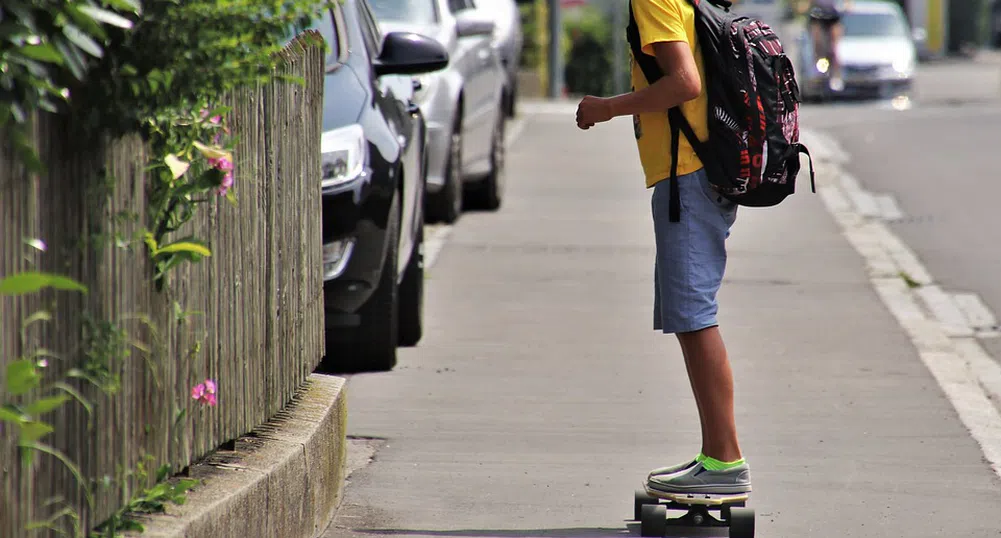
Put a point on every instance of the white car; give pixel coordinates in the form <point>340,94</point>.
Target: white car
<point>877,52</point>
<point>463,103</point>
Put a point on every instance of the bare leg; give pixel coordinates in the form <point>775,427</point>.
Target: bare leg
<point>712,381</point>
<point>698,400</point>
<point>836,31</point>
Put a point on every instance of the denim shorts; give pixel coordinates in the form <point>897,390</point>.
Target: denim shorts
<point>691,254</point>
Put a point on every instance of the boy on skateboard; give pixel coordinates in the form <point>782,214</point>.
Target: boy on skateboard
<point>690,245</point>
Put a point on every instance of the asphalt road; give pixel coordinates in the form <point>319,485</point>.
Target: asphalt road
<point>939,160</point>
<point>540,397</point>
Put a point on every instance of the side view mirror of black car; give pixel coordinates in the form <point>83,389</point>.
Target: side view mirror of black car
<point>407,53</point>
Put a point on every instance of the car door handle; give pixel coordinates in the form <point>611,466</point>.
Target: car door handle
<point>417,85</point>
<point>412,108</point>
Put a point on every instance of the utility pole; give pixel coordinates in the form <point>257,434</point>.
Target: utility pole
<point>555,54</point>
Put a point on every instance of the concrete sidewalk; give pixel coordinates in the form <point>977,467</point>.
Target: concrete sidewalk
<point>540,396</point>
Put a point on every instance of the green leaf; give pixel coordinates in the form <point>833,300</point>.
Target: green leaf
<point>32,281</point>
<point>131,6</point>
<point>44,52</point>
<point>22,377</point>
<point>76,395</point>
<point>34,430</point>
<point>83,41</point>
<point>163,472</point>
<point>46,405</point>
<point>41,315</point>
<point>74,470</point>
<point>184,246</point>
<point>9,414</point>
<point>107,17</point>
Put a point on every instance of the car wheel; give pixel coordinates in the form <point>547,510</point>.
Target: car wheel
<point>412,295</point>
<point>446,206</point>
<point>489,193</point>
<point>378,334</point>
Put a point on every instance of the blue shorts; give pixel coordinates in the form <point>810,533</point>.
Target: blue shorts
<point>691,254</point>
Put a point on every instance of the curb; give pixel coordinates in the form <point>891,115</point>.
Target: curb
<point>296,459</point>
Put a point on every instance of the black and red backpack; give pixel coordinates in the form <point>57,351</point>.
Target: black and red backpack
<point>752,153</point>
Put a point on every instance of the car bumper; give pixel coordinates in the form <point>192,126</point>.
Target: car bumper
<point>860,86</point>
<point>354,234</point>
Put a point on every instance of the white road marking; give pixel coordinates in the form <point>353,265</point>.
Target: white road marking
<point>433,244</point>
<point>940,304</point>
<point>888,207</point>
<point>978,315</point>
<point>968,376</point>
<point>514,130</point>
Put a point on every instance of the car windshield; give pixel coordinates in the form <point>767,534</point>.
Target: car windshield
<point>415,11</point>
<point>873,25</point>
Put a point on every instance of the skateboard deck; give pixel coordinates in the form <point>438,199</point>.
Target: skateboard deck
<point>651,510</point>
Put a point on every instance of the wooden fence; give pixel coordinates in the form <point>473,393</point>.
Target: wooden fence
<point>257,322</point>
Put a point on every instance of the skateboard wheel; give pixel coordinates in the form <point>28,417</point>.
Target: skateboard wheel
<point>640,499</point>
<point>741,523</point>
<point>653,520</point>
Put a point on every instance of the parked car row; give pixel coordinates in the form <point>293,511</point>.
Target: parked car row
<point>416,97</point>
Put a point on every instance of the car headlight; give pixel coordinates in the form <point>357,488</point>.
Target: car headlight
<point>344,154</point>
<point>903,66</point>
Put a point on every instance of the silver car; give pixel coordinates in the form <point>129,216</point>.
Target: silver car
<point>509,39</point>
<point>463,104</point>
<point>877,52</point>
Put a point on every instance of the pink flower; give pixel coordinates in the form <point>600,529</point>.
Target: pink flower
<point>216,120</point>
<point>222,163</point>
<point>205,392</point>
<point>227,182</point>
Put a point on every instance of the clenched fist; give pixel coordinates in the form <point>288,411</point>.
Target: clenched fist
<point>592,110</point>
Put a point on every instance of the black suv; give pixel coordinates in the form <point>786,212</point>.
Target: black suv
<point>373,162</point>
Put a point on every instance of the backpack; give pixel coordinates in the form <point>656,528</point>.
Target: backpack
<point>752,153</point>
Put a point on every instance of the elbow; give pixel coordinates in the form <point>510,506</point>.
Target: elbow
<point>691,88</point>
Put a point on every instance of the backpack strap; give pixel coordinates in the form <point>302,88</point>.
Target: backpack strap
<point>679,124</point>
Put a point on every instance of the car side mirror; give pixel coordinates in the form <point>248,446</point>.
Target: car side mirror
<point>469,27</point>
<point>407,53</point>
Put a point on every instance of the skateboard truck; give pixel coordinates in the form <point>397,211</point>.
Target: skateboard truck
<point>651,511</point>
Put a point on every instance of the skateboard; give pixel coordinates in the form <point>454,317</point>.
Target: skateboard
<point>651,506</point>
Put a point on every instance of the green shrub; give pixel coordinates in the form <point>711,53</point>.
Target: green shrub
<point>115,66</point>
<point>589,64</point>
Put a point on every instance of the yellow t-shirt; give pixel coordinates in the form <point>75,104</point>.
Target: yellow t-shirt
<point>665,21</point>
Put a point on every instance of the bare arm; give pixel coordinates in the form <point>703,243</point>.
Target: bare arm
<point>680,83</point>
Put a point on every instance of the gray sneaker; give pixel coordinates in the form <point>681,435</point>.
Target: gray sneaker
<point>678,467</point>
<point>698,479</point>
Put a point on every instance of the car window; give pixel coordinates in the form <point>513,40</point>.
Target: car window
<point>415,11</point>
<point>331,27</point>
<point>370,30</point>
<point>873,25</point>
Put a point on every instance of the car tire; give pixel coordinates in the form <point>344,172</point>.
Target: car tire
<point>489,193</point>
<point>446,205</point>
<point>411,309</point>
<point>378,335</point>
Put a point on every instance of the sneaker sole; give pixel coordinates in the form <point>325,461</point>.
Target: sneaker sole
<point>727,493</point>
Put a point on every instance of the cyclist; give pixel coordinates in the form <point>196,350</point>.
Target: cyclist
<point>826,30</point>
